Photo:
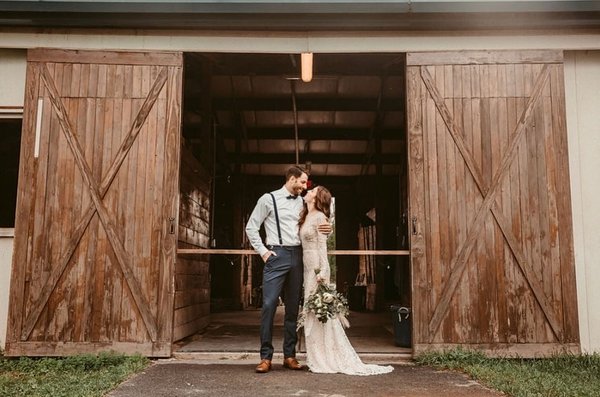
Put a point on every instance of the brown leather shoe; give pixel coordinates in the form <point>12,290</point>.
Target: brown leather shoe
<point>264,366</point>
<point>291,363</point>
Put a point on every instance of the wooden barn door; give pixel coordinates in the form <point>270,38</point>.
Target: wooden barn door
<point>491,246</point>
<point>95,240</point>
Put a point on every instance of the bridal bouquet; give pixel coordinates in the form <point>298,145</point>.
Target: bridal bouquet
<point>326,303</point>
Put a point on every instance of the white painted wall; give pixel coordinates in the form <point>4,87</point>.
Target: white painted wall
<point>582,84</point>
<point>6,250</point>
<point>12,77</point>
<point>296,42</point>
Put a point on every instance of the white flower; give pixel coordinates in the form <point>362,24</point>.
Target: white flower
<point>327,297</point>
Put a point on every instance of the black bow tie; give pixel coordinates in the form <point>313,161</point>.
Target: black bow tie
<point>292,197</point>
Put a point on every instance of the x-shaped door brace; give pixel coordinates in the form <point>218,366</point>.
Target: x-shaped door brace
<point>97,193</point>
<point>488,193</point>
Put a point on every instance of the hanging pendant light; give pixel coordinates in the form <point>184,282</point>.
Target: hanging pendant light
<point>306,59</point>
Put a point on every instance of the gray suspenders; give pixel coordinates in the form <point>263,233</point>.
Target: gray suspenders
<point>277,219</point>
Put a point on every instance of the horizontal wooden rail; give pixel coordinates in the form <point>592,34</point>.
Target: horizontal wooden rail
<point>217,251</point>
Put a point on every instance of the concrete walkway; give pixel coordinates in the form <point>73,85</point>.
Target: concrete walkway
<point>220,362</point>
<point>173,378</point>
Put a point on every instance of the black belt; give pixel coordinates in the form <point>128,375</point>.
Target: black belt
<point>283,246</point>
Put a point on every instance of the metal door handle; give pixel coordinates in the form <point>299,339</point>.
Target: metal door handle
<point>414,225</point>
<point>172,226</point>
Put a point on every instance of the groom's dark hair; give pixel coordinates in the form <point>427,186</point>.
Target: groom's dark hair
<point>294,170</point>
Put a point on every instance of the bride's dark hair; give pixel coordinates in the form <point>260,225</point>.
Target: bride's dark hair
<point>322,203</point>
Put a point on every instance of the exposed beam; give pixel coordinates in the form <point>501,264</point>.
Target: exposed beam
<point>313,133</point>
<point>315,158</point>
<point>305,104</point>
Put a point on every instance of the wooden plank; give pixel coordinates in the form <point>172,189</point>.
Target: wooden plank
<point>25,202</point>
<point>545,260</point>
<point>524,350</point>
<point>416,206</point>
<point>471,302</point>
<point>486,265</point>
<point>190,313</point>
<point>503,254</point>
<point>432,201</point>
<point>483,57</point>
<point>534,210</point>
<point>90,239</point>
<point>190,328</point>
<point>552,283</point>
<point>512,274</point>
<point>79,261</point>
<point>59,349</point>
<point>494,240</point>
<point>526,317</point>
<point>98,260</point>
<point>170,202</point>
<point>194,265</point>
<point>105,57</point>
<point>191,297</point>
<point>565,231</point>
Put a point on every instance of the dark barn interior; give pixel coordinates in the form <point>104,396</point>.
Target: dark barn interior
<point>247,117</point>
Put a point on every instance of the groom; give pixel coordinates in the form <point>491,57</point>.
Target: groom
<point>280,211</point>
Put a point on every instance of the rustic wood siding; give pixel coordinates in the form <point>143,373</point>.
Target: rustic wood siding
<point>492,251</point>
<point>192,278</point>
<point>93,258</point>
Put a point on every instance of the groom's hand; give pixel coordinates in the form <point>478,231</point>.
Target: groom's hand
<point>267,254</point>
<point>325,228</point>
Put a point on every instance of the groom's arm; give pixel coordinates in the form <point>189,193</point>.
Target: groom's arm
<point>258,216</point>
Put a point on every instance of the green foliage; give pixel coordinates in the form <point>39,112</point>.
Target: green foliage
<point>559,375</point>
<point>82,375</point>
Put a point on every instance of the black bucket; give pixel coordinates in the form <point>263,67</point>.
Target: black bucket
<point>402,325</point>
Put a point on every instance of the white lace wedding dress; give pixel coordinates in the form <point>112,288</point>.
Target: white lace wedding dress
<point>328,349</point>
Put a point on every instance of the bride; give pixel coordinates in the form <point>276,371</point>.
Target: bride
<point>328,349</point>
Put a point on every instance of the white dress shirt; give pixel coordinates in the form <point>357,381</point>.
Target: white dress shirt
<point>289,214</point>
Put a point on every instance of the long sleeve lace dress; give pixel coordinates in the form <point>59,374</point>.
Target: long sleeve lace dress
<point>328,349</point>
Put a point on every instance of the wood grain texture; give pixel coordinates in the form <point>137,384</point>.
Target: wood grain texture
<point>192,279</point>
<point>490,197</point>
<point>96,278</point>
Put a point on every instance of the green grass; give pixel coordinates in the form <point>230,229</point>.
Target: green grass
<point>560,375</point>
<point>82,375</point>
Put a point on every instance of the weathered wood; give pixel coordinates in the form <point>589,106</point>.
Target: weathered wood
<point>458,264</point>
<point>190,328</point>
<point>483,57</point>
<point>79,290</point>
<point>25,201</point>
<point>565,229</point>
<point>123,257</point>
<point>105,57</point>
<point>529,350</point>
<point>192,278</point>
<point>170,203</point>
<point>80,227</point>
<point>191,297</point>
<point>505,280</point>
<point>417,206</point>
<point>73,348</point>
